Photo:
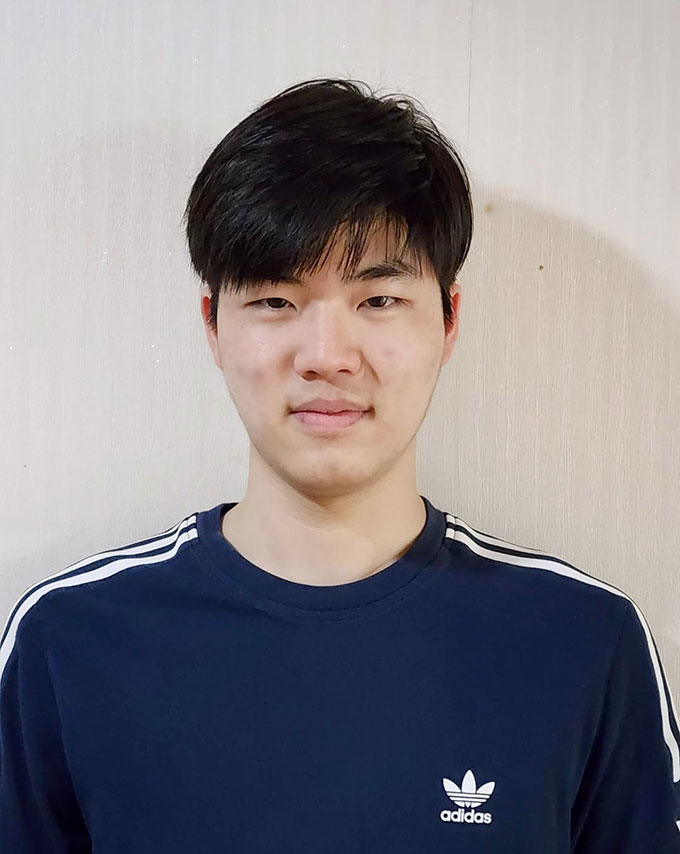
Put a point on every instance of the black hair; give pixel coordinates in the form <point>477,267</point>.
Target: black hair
<point>319,158</point>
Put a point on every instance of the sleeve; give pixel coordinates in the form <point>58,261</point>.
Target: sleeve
<point>39,812</point>
<point>628,800</point>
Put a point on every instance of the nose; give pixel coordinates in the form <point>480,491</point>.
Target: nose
<point>327,342</point>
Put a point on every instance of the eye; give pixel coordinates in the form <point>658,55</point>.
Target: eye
<point>397,301</point>
<point>267,299</point>
<point>262,302</point>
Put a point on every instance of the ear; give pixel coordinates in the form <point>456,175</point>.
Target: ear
<point>451,328</point>
<point>209,329</point>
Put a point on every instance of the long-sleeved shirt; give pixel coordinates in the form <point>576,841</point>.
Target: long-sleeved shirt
<point>170,696</point>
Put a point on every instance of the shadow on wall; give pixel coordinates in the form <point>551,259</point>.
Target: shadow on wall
<point>561,402</point>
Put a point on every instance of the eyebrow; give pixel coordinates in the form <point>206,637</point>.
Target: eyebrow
<point>389,268</point>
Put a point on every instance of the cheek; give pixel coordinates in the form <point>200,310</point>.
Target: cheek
<point>410,365</point>
<point>259,361</point>
<point>252,375</point>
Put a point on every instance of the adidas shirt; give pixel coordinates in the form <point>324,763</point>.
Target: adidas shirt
<point>170,697</point>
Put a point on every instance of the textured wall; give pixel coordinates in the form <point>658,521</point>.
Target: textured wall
<point>554,425</point>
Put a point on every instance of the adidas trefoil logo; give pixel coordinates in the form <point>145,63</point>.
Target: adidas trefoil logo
<point>468,795</point>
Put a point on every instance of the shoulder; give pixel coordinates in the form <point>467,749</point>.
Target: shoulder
<point>556,602</point>
<point>535,574</point>
<point>98,576</point>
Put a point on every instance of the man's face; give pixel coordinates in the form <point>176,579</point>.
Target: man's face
<point>333,339</point>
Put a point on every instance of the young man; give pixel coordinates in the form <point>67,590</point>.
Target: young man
<point>332,664</point>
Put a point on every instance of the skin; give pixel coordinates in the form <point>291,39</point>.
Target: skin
<point>331,509</point>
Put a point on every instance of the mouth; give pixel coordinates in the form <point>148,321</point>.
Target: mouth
<point>328,420</point>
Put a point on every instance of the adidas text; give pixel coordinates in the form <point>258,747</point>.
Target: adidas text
<point>469,817</point>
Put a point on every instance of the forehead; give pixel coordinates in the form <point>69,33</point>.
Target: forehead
<point>381,255</point>
<point>353,253</point>
<point>379,242</point>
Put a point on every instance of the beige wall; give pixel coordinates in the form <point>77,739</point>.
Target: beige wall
<point>555,424</point>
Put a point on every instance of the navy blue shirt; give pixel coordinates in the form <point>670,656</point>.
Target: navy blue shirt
<point>475,696</point>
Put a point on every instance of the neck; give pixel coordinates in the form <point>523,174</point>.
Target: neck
<point>329,541</point>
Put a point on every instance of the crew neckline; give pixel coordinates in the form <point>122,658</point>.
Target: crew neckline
<point>229,565</point>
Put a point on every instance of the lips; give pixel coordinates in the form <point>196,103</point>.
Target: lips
<point>320,404</point>
<point>328,420</point>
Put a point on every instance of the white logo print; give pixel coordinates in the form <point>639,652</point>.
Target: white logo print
<point>468,795</point>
